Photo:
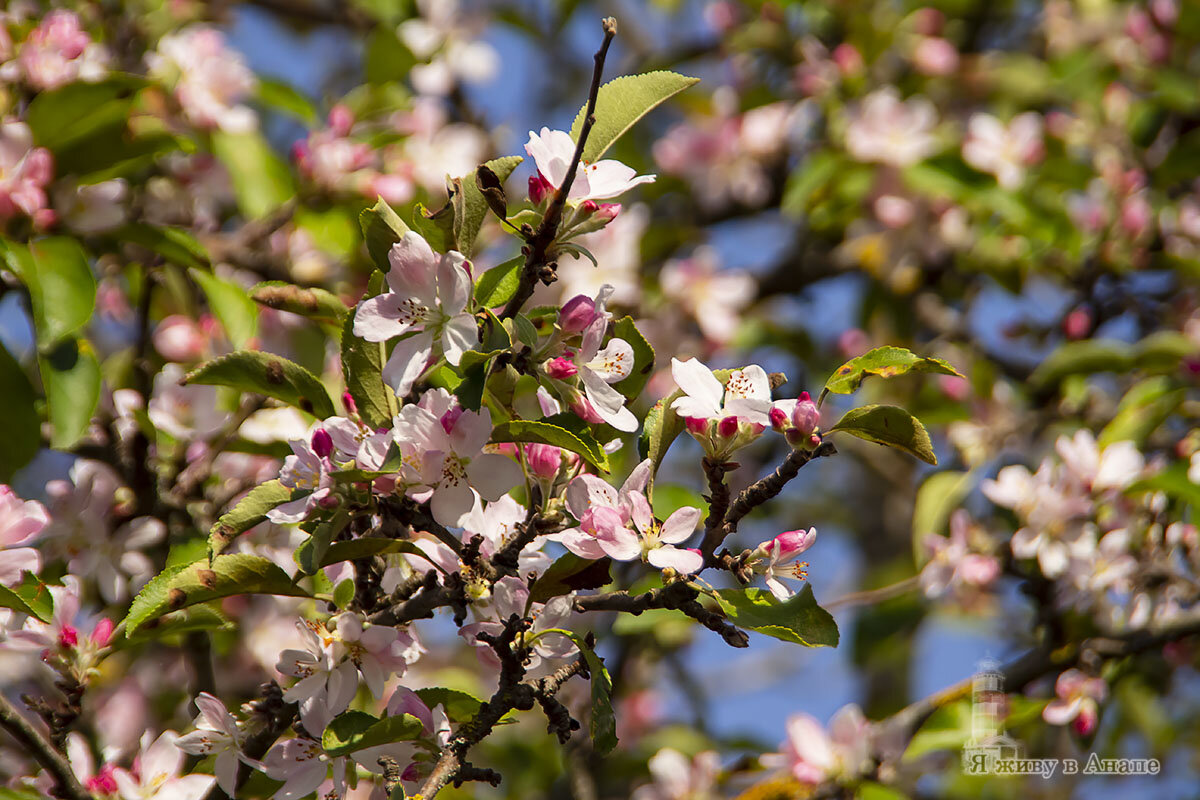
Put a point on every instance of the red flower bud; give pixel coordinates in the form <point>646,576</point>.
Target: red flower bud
<point>560,368</point>
<point>322,443</point>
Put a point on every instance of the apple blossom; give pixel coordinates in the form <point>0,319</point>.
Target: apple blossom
<point>951,563</point>
<point>553,152</point>
<point>813,755</point>
<point>427,299</point>
<point>59,51</point>
<point>444,462</point>
<point>511,596</point>
<point>677,777</point>
<point>20,523</point>
<point>217,733</point>
<point>892,131</point>
<point>209,78</point>
<point>1003,150</point>
<point>1077,701</point>
<point>302,766</point>
<point>306,472</point>
<point>156,773</point>
<point>25,171</point>
<point>773,555</point>
<point>103,781</point>
<point>715,297</point>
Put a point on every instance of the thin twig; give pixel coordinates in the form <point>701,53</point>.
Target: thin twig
<point>536,259</point>
<point>67,786</point>
<point>872,596</point>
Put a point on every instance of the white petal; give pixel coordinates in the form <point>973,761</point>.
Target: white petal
<point>379,318</point>
<point>680,526</point>
<point>413,267</point>
<point>683,561</point>
<point>614,362</point>
<point>701,387</point>
<point>407,362</point>
<point>459,335</point>
<point>622,545</point>
<point>454,284</point>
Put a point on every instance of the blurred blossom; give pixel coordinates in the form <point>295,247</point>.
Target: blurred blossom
<point>713,296</point>
<point>184,412</point>
<point>444,38</point>
<point>194,192</point>
<point>57,52</point>
<point>93,208</point>
<point>158,773</point>
<point>812,755</point>
<point>1077,702</point>
<point>25,171</point>
<point>617,248</point>
<point>677,777</point>
<point>1004,150</point>
<point>892,131</point>
<point>210,79</point>
<point>952,566</point>
<point>178,338</point>
<point>20,523</point>
<point>934,55</point>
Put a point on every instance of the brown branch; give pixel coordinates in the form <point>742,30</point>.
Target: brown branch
<point>718,505</point>
<point>67,786</point>
<point>537,263</point>
<point>679,596</point>
<point>767,488</point>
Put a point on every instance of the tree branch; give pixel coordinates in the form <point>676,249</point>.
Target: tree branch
<point>537,266</point>
<point>679,596</point>
<point>67,786</point>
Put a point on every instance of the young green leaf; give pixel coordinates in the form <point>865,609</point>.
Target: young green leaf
<point>891,426</point>
<point>381,228</point>
<point>266,374</point>
<point>546,432</point>
<point>603,727</point>
<point>183,586</point>
<point>231,305</point>
<point>20,427</point>
<point>459,706</point>
<point>250,511</point>
<point>624,101</point>
<point>471,205</point>
<point>71,378</point>
<point>315,303</point>
<point>497,286</point>
<point>310,555</point>
<point>643,358</point>
<point>352,731</point>
<point>884,362</point>
<point>261,180</point>
<point>362,368</point>
<point>437,228</point>
<point>62,289</point>
<point>1082,358</point>
<point>570,573</point>
<point>10,599</point>
<point>798,619</point>
<point>1143,408</point>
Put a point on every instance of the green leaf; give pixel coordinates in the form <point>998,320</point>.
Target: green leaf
<point>459,706</point>
<point>603,727</point>
<point>525,330</point>
<point>938,496</point>
<point>1082,358</point>
<point>381,228</point>
<point>310,555</point>
<point>262,181</point>
<point>226,575</point>
<point>343,593</point>
<point>75,112</point>
<point>62,289</point>
<point>643,358</point>
<point>352,731</point>
<point>71,379</point>
<point>196,619</point>
<point>250,511</point>
<point>470,206</point>
<point>266,374</point>
<point>231,305</point>
<point>176,245</point>
<point>10,599</point>
<point>521,430</point>
<point>624,101</point>
<point>285,97</point>
<point>1173,481</point>
<point>316,303</point>
<point>884,362</point>
<point>437,228</point>
<point>365,546</point>
<point>1143,408</point>
<point>570,573</point>
<point>362,368</point>
<point>35,594</point>
<point>891,426</point>
<point>799,619</point>
<point>20,427</point>
<point>497,286</point>
<point>660,428</point>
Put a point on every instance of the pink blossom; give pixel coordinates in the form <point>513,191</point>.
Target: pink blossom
<point>210,79</point>
<point>677,777</point>
<point>813,755</point>
<point>25,171</point>
<point>714,296</point>
<point>303,471</point>
<point>1004,150</point>
<point>935,56</point>
<point>20,523</point>
<point>179,338</point>
<point>889,130</point>
<point>58,51</point>
<point>544,460</point>
<point>217,733</point>
<point>952,565</point>
<point>1077,701</point>
<point>553,151</point>
<point>773,555</point>
<point>577,314</point>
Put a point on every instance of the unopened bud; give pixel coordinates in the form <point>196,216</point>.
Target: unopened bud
<point>102,633</point>
<point>539,187</point>
<point>697,426</point>
<point>778,418</point>
<point>728,427</point>
<point>585,410</point>
<point>329,501</point>
<point>805,415</point>
<point>348,402</point>
<point>322,443</point>
<point>560,368</point>
<point>577,313</point>
<point>544,460</point>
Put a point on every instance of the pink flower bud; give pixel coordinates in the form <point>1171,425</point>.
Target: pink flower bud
<point>607,212</point>
<point>560,368</point>
<point>506,449</point>
<point>178,338</point>
<point>778,418</point>
<point>450,418</point>
<point>728,427</point>
<point>411,773</point>
<point>544,460</point>
<point>102,633</point>
<point>577,313</point>
<point>585,411</point>
<point>1086,721</point>
<point>805,416</point>
<point>322,443</point>
<point>329,501</point>
<point>788,545</point>
<point>928,21</point>
<point>68,637</point>
<point>539,187</point>
<point>104,781</point>
<point>341,120</point>
<point>954,387</point>
<point>696,425</point>
<point>1078,324</point>
<point>589,206</point>
<point>348,402</point>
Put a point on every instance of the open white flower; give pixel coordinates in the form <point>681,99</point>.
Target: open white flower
<point>746,395</point>
<point>217,734</point>
<point>428,300</point>
<point>598,368</point>
<point>1003,150</point>
<point>553,152</point>
<point>157,777</point>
